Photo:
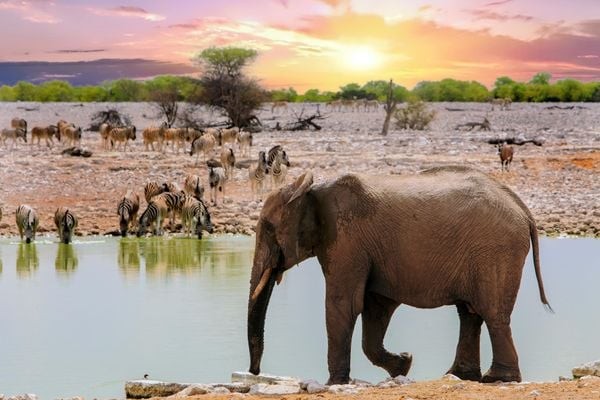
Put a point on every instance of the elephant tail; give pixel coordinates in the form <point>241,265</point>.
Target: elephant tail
<point>536,263</point>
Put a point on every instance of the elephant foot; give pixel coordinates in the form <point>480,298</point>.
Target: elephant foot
<point>338,380</point>
<point>466,373</point>
<point>400,365</point>
<point>499,373</point>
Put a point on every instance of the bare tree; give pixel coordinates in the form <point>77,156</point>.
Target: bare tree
<point>391,102</point>
<point>166,102</point>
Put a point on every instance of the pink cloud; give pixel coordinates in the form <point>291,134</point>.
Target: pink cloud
<point>497,3</point>
<point>496,16</point>
<point>35,11</point>
<point>127,11</point>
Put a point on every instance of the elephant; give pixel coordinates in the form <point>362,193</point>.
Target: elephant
<point>444,236</point>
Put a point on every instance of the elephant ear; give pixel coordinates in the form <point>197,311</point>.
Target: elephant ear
<point>301,186</point>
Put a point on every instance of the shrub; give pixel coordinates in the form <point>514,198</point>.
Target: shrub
<point>415,115</point>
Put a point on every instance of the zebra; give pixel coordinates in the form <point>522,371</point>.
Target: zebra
<point>193,186</point>
<point>46,133</point>
<point>18,123</point>
<point>272,154</point>
<point>153,214</point>
<point>122,135</point>
<point>153,188</point>
<point>195,217</point>
<point>258,175</point>
<point>174,202</point>
<point>279,168</point>
<point>204,144</point>
<point>71,135</point>
<point>245,142</point>
<point>228,161</point>
<point>153,135</point>
<point>104,131</point>
<point>127,211</point>
<point>66,222</point>
<point>27,222</point>
<point>216,181</point>
<point>13,134</point>
<point>229,136</point>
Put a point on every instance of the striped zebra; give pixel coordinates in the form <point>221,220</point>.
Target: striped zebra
<point>153,188</point>
<point>216,181</point>
<point>66,222</point>
<point>195,217</point>
<point>153,215</point>
<point>245,142</point>
<point>273,153</point>
<point>193,186</point>
<point>279,168</point>
<point>13,134</point>
<point>18,123</point>
<point>258,175</point>
<point>228,161</point>
<point>27,222</point>
<point>46,133</point>
<point>174,202</point>
<point>127,210</point>
<point>204,144</point>
<point>121,136</point>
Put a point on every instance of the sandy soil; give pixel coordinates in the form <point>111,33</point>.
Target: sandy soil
<point>443,390</point>
<point>558,181</point>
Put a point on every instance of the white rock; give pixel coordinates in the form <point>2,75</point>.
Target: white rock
<point>263,389</point>
<point>315,387</point>
<point>590,368</point>
<point>191,390</point>
<point>450,377</point>
<point>344,389</point>
<point>141,389</point>
<point>219,390</point>
<point>247,377</point>
<point>237,387</point>
<point>535,393</point>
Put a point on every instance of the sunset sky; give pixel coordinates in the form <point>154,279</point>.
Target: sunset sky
<point>320,43</point>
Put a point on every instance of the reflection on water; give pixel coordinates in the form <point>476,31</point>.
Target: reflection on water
<point>66,259</point>
<point>27,259</point>
<point>129,257</point>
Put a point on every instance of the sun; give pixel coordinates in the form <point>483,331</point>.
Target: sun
<point>361,57</point>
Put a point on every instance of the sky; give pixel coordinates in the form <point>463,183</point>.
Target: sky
<point>320,43</point>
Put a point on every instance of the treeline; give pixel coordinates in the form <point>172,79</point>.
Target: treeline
<point>538,89</point>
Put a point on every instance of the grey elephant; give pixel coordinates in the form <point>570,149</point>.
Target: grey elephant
<point>444,236</point>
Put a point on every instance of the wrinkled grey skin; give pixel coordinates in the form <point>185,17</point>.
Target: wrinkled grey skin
<point>445,236</point>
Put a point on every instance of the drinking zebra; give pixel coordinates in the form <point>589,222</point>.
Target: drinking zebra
<point>27,222</point>
<point>66,222</point>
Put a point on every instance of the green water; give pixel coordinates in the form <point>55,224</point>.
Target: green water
<point>82,319</point>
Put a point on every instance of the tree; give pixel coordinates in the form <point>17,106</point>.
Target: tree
<point>166,102</point>
<point>125,90</point>
<point>352,91</point>
<point>289,95</point>
<point>391,102</point>
<point>541,78</point>
<point>225,87</point>
<point>25,91</point>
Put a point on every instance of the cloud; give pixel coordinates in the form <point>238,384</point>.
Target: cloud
<point>497,3</point>
<point>75,51</point>
<point>35,11</point>
<point>126,11</point>
<point>496,16</point>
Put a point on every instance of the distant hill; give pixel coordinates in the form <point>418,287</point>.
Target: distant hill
<point>88,72</point>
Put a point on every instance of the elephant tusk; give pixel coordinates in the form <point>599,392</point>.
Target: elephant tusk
<point>262,283</point>
<point>279,277</point>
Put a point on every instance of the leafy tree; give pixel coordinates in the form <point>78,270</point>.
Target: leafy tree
<point>289,95</point>
<point>541,78</point>
<point>55,91</point>
<point>125,90</point>
<point>225,87</point>
<point>25,91</point>
<point>352,91</point>
<point>7,93</point>
<point>91,93</point>
<point>427,91</point>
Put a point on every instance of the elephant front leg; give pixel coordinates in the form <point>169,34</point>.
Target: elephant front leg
<point>376,316</point>
<point>467,361</point>
<point>340,319</point>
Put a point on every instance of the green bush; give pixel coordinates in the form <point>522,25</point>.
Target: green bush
<point>414,115</point>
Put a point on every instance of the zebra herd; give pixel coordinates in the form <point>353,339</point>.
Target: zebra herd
<point>68,133</point>
<point>28,221</point>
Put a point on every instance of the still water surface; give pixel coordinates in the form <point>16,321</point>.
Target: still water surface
<point>81,319</point>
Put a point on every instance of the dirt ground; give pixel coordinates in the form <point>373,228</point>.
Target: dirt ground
<point>558,180</point>
<point>444,390</point>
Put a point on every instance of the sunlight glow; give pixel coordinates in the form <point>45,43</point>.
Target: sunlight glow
<point>361,58</point>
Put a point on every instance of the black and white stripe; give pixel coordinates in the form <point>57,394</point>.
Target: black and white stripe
<point>195,217</point>
<point>127,210</point>
<point>27,222</point>
<point>66,222</point>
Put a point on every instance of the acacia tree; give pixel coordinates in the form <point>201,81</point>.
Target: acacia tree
<point>166,103</point>
<point>226,87</point>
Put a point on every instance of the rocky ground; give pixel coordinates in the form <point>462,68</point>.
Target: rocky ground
<point>558,181</point>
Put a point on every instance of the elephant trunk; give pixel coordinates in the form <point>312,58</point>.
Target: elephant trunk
<point>257,310</point>
<point>267,260</point>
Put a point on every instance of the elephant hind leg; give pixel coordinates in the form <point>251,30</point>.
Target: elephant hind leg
<point>467,360</point>
<point>505,362</point>
<point>376,317</point>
